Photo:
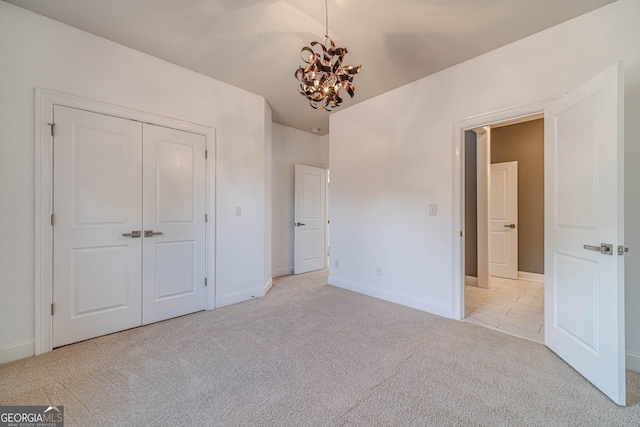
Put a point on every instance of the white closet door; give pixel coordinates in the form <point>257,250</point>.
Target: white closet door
<point>174,223</point>
<point>97,187</point>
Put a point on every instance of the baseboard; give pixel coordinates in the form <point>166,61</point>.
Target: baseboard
<point>471,280</point>
<point>406,300</point>
<point>536,277</point>
<point>17,351</point>
<point>633,361</point>
<point>282,272</point>
<point>234,298</point>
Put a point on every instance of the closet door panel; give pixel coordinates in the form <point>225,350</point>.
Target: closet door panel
<point>174,223</point>
<point>97,205</point>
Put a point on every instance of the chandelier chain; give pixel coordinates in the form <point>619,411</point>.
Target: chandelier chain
<point>326,18</point>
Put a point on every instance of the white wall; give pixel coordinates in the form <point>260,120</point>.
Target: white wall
<point>39,52</point>
<point>324,151</point>
<point>391,156</point>
<point>290,146</point>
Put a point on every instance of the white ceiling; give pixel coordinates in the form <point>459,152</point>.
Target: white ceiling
<point>255,44</point>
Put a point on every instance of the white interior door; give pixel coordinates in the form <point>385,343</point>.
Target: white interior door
<point>584,287</point>
<point>174,223</point>
<point>504,220</point>
<point>97,187</point>
<point>310,219</point>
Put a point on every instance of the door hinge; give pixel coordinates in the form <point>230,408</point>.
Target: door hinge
<point>206,154</point>
<point>53,127</point>
<point>52,219</point>
<point>461,234</point>
<point>52,309</point>
<point>206,217</point>
<point>622,250</point>
<point>205,281</point>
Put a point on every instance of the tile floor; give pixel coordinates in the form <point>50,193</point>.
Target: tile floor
<point>515,307</point>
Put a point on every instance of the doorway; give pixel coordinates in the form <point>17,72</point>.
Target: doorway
<point>504,227</point>
<point>584,202</point>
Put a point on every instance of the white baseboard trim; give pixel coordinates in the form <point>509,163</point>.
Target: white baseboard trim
<point>406,300</point>
<point>471,280</point>
<point>536,277</point>
<point>234,298</point>
<point>285,271</point>
<point>17,351</point>
<point>633,361</point>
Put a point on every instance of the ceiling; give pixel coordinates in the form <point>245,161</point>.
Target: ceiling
<point>255,44</point>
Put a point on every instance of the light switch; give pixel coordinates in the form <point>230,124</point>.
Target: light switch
<point>238,210</point>
<point>433,210</point>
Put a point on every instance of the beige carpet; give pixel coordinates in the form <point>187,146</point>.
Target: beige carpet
<point>312,354</point>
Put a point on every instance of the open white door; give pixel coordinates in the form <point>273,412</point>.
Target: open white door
<point>584,272</point>
<point>310,219</point>
<point>503,231</point>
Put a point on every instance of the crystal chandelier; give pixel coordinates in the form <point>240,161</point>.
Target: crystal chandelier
<point>323,75</point>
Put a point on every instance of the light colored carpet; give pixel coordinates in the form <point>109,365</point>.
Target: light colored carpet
<point>312,354</point>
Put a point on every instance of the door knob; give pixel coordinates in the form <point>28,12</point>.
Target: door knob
<point>604,248</point>
<point>133,234</point>
<point>510,226</point>
<point>151,233</point>
<point>298,224</point>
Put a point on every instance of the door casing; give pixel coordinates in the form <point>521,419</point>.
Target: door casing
<point>45,101</point>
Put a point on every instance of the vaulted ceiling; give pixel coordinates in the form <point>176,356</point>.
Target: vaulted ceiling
<point>255,44</point>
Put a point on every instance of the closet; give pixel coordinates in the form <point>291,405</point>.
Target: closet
<point>128,226</point>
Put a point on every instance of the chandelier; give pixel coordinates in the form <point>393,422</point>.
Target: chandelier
<point>323,75</point>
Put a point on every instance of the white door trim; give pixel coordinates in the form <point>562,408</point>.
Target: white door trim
<point>487,119</point>
<point>45,100</point>
<point>483,212</point>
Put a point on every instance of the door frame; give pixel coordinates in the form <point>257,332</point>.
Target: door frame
<point>487,119</point>
<point>483,206</point>
<point>45,100</point>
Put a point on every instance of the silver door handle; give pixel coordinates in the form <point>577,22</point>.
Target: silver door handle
<point>151,233</point>
<point>298,224</point>
<point>133,234</point>
<point>510,226</point>
<point>604,248</point>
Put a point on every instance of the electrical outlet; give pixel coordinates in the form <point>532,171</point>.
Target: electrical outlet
<point>336,263</point>
<point>378,271</point>
<point>433,210</point>
<point>238,210</point>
